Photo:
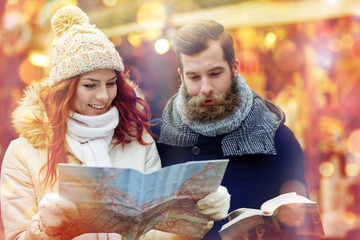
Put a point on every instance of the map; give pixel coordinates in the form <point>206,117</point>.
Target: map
<point>131,203</point>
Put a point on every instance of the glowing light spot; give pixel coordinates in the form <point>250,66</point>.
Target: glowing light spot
<point>162,46</point>
<point>39,59</point>
<point>110,3</point>
<point>134,39</point>
<point>270,37</point>
<point>347,41</point>
<point>349,217</point>
<point>151,11</point>
<point>354,143</point>
<point>270,40</point>
<point>326,169</point>
<point>29,72</point>
<point>352,169</point>
<point>7,189</point>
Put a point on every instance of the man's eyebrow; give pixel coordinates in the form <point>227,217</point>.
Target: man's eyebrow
<point>216,68</point>
<point>190,73</point>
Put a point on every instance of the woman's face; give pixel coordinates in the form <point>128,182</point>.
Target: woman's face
<point>95,92</point>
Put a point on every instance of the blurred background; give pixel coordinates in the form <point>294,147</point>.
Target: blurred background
<point>304,55</point>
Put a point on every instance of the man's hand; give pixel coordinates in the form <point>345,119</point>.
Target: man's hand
<point>216,204</point>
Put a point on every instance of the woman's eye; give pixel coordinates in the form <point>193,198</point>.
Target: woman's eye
<point>111,83</point>
<point>89,85</point>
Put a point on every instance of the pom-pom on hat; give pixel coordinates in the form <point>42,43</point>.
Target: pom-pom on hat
<point>79,47</point>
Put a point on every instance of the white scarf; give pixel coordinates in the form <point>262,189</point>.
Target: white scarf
<point>89,137</point>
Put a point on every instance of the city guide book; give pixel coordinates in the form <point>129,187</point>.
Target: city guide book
<point>286,215</point>
<point>131,203</point>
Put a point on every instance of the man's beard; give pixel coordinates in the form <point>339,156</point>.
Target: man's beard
<point>223,107</point>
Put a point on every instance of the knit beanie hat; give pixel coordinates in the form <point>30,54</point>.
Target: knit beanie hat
<point>79,47</point>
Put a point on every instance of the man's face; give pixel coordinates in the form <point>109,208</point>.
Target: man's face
<point>208,81</point>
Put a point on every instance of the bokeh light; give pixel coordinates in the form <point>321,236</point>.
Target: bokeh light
<point>110,3</point>
<point>287,56</point>
<point>29,72</point>
<point>134,39</point>
<point>39,59</point>
<point>349,217</point>
<point>151,11</point>
<point>352,169</point>
<point>152,34</point>
<point>326,169</point>
<point>335,45</point>
<point>354,143</point>
<point>347,41</point>
<point>270,40</point>
<point>162,46</point>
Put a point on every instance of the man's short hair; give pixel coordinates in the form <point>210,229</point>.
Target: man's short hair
<point>194,37</point>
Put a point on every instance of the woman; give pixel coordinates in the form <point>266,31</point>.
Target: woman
<point>87,112</point>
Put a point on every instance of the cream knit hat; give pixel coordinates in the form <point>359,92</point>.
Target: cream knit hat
<point>79,47</point>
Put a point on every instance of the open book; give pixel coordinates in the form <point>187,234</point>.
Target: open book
<point>131,203</point>
<point>288,214</point>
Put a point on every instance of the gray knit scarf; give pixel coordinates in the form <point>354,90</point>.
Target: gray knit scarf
<point>250,129</point>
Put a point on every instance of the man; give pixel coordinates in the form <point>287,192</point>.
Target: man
<point>215,115</point>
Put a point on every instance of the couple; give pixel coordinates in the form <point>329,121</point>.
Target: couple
<point>88,112</point>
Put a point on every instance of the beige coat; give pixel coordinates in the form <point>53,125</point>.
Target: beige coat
<point>27,154</point>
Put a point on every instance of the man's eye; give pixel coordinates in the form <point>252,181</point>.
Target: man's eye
<point>214,74</point>
<point>194,77</point>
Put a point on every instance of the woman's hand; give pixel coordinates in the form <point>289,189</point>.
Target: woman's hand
<point>215,205</point>
<point>55,212</point>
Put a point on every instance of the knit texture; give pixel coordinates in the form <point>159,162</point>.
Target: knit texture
<point>79,47</point>
<point>252,129</point>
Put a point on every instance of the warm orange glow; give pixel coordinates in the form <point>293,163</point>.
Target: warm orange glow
<point>326,169</point>
<point>352,169</point>
<point>349,217</point>
<point>29,72</point>
<point>347,41</point>
<point>354,143</point>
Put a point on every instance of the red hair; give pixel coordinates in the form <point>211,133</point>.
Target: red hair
<point>59,101</point>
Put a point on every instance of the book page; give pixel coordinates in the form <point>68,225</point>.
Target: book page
<point>243,213</point>
<point>131,203</point>
<point>271,205</point>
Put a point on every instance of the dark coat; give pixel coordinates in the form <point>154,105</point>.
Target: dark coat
<point>250,179</point>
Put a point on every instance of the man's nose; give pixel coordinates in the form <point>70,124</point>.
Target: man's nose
<point>206,86</point>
